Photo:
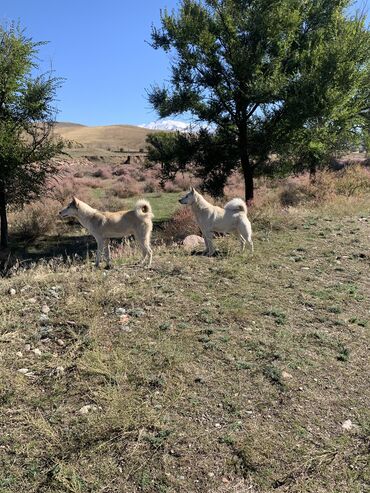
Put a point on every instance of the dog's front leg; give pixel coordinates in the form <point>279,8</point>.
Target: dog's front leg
<point>206,250</point>
<point>107,252</point>
<point>99,250</point>
<point>210,250</point>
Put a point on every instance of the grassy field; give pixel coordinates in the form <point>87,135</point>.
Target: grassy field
<point>205,375</point>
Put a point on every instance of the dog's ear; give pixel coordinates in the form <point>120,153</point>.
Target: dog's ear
<point>192,189</point>
<point>74,201</point>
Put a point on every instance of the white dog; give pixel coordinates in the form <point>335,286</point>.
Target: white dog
<point>211,219</point>
<point>106,225</point>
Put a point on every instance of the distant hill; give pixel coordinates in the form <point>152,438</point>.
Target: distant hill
<point>116,138</point>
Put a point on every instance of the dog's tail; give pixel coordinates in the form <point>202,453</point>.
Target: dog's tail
<point>236,205</point>
<point>143,208</point>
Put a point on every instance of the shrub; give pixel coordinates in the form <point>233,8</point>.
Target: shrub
<point>151,186</point>
<point>181,224</point>
<point>183,181</point>
<point>119,171</point>
<point>124,190</point>
<point>293,194</point>
<point>103,173</point>
<point>36,219</point>
<point>63,190</point>
<point>353,180</point>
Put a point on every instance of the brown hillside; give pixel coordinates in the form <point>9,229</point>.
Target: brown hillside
<point>110,137</point>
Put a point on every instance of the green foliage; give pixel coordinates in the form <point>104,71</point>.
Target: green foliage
<point>210,155</point>
<point>286,77</point>
<point>27,116</point>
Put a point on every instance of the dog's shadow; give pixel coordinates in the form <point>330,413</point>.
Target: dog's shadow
<point>198,253</point>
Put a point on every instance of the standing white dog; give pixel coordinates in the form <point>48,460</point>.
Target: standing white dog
<point>106,225</point>
<point>211,219</point>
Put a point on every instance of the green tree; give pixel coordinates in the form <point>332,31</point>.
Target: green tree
<point>331,119</point>
<point>257,68</point>
<point>209,155</point>
<point>27,116</point>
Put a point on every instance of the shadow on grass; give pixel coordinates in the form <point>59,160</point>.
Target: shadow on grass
<point>62,247</point>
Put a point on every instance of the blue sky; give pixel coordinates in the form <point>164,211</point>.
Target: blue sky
<point>99,48</point>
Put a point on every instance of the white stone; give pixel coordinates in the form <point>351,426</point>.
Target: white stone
<point>45,309</point>
<point>286,375</point>
<point>193,241</point>
<point>347,425</point>
<point>37,351</point>
<point>88,408</point>
<point>12,292</point>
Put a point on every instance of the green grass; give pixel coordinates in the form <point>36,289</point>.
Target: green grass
<point>231,374</point>
<point>163,204</point>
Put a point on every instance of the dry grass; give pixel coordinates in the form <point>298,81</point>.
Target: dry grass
<point>229,374</point>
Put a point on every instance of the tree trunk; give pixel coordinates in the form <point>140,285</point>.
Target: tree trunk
<point>3,218</point>
<point>312,170</point>
<point>248,180</point>
<point>246,165</point>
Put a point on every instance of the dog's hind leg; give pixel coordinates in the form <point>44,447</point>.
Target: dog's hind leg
<point>245,233</point>
<point>243,241</point>
<point>144,241</point>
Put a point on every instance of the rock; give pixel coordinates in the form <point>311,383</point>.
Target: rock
<point>136,312</point>
<point>123,319</point>
<point>37,351</point>
<point>88,408</point>
<point>217,425</point>
<point>60,342</point>
<point>347,425</point>
<point>23,370</point>
<point>193,241</point>
<point>27,347</point>
<point>19,354</point>
<point>125,328</point>
<point>32,300</point>
<point>120,311</point>
<point>43,318</point>
<point>45,309</point>
<point>59,370</point>
<point>286,375</point>
<point>12,292</point>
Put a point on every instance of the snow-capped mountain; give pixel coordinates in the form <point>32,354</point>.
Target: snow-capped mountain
<point>170,125</point>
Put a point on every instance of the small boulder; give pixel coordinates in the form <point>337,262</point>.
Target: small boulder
<point>286,376</point>
<point>347,425</point>
<point>45,309</point>
<point>88,408</point>
<point>193,241</point>
<point>12,292</point>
